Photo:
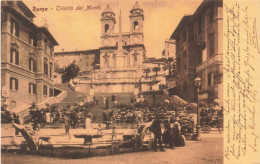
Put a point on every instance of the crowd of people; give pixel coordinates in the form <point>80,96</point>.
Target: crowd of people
<point>55,115</point>
<point>212,116</point>
<point>145,113</point>
<point>171,136</point>
<point>138,99</point>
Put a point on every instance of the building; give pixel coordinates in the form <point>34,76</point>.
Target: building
<point>170,49</point>
<point>26,57</point>
<point>85,59</point>
<point>118,65</point>
<point>121,54</point>
<point>199,52</point>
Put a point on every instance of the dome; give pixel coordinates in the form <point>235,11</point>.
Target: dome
<point>108,10</point>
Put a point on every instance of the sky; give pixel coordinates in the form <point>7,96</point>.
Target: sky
<point>80,29</point>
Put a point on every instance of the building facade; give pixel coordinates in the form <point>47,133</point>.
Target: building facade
<point>121,54</point>
<point>85,59</point>
<point>199,53</point>
<point>26,56</point>
<point>170,49</point>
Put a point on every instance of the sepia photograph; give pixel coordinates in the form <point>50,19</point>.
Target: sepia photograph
<point>110,81</point>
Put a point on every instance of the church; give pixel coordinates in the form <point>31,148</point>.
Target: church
<point>121,56</point>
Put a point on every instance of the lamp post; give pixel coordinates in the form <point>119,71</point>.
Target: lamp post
<point>198,84</point>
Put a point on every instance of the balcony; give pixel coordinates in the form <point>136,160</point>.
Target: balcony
<point>214,60</point>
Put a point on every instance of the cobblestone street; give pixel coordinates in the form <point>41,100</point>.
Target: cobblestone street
<point>207,151</point>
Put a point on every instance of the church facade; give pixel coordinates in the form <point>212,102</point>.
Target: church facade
<point>121,55</point>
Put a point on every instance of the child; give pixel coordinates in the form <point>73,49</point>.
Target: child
<point>99,130</point>
<point>114,132</point>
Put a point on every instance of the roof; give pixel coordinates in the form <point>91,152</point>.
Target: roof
<point>136,6</point>
<point>27,21</point>
<point>77,51</point>
<point>205,4</point>
<point>154,60</point>
<point>108,10</point>
<point>188,18</point>
<point>183,22</point>
<point>49,35</point>
<point>26,10</point>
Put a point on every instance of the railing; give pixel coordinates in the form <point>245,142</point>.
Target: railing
<point>61,96</point>
<point>216,59</point>
<point>52,100</point>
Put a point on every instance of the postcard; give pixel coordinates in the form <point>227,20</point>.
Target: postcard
<point>139,81</point>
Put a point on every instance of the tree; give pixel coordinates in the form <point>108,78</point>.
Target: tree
<point>70,72</point>
<point>170,64</point>
<point>156,70</point>
<point>165,67</point>
<point>147,71</point>
<point>172,68</point>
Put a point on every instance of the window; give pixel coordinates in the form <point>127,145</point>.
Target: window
<point>210,80</point>
<point>211,45</point>
<point>13,83</point>
<point>200,26</point>
<point>32,39</point>
<point>106,60</point>
<point>87,64</point>
<point>211,14</point>
<point>14,28</point>
<point>45,45</point>
<point>32,88</point>
<point>184,60</point>
<point>135,60</point>
<point>13,104</point>
<point>45,67</point>
<point>32,65</point>
<point>106,28</point>
<point>136,27</point>
<point>178,65</point>
<point>45,90</point>
<point>50,70</point>
<point>51,49</point>
<point>14,56</point>
<point>51,92</point>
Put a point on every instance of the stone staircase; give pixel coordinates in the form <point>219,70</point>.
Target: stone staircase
<point>64,87</point>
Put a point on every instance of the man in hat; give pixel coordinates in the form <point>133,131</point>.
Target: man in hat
<point>156,129</point>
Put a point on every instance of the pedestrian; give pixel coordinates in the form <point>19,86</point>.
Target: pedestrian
<point>115,101</point>
<point>99,130</point>
<point>167,134</point>
<point>67,123</point>
<point>110,113</point>
<point>177,138</point>
<point>17,121</point>
<point>104,117</point>
<point>113,98</point>
<point>104,100</point>
<point>107,103</point>
<point>114,132</point>
<point>156,129</point>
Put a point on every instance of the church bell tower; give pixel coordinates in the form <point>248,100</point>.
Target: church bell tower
<point>108,21</point>
<point>136,19</point>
